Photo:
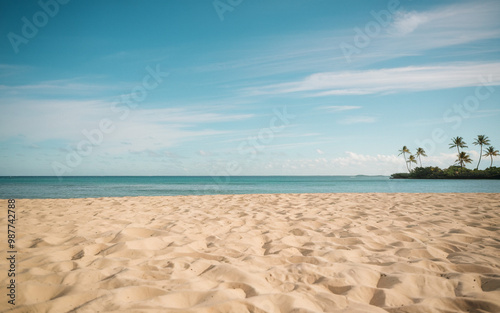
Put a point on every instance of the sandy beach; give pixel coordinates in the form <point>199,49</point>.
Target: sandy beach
<point>257,253</point>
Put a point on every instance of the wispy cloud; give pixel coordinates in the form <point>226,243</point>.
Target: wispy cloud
<point>350,163</point>
<point>445,27</point>
<point>411,78</point>
<point>340,108</point>
<point>406,22</point>
<point>411,33</point>
<point>62,87</point>
<point>356,158</point>
<point>185,116</point>
<point>358,120</point>
<point>143,129</point>
<point>10,70</point>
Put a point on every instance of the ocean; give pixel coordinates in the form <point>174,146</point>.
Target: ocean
<point>45,187</point>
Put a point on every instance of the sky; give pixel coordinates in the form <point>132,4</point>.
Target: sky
<point>240,87</point>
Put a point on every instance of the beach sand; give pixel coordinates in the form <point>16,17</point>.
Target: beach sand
<point>257,253</point>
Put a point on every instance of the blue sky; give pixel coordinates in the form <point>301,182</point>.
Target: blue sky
<point>230,87</point>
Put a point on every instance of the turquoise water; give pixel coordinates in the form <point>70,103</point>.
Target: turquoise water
<point>120,186</point>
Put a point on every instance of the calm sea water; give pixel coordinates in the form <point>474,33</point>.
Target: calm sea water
<point>119,186</point>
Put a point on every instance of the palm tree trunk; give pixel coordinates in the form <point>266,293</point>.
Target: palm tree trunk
<point>491,165</point>
<point>420,160</point>
<point>404,156</point>
<point>480,154</point>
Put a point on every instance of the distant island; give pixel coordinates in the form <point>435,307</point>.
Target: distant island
<point>452,172</point>
<point>458,171</point>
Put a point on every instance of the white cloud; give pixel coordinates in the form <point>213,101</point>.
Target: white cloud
<point>410,34</point>
<point>11,70</point>
<point>62,121</point>
<point>356,158</point>
<point>445,26</point>
<point>181,115</point>
<point>416,33</point>
<point>319,151</point>
<point>411,78</point>
<point>340,108</point>
<point>358,120</point>
<point>406,22</point>
<point>442,160</point>
<point>350,164</point>
<point>355,163</point>
<point>68,87</point>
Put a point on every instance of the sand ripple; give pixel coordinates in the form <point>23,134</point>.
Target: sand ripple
<point>259,253</point>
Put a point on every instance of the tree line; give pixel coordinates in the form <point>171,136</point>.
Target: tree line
<point>463,158</point>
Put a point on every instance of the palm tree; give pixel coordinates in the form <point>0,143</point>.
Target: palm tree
<point>491,152</point>
<point>463,158</point>
<point>458,142</point>
<point>420,152</point>
<point>411,159</point>
<point>481,140</point>
<point>403,151</point>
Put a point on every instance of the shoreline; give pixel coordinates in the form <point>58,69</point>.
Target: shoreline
<point>45,188</point>
<point>360,252</point>
<point>267,194</point>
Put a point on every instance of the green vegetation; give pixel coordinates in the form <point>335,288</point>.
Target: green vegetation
<point>452,172</point>
<point>463,158</point>
<point>456,171</point>
<point>411,159</point>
